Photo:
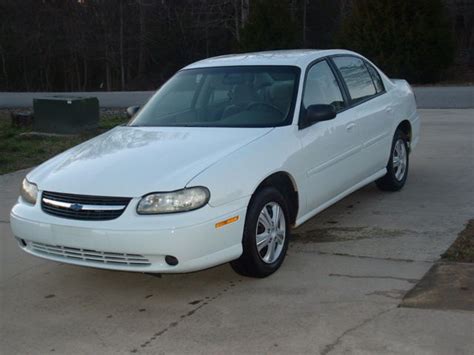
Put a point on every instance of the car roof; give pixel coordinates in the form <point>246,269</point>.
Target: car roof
<point>295,57</point>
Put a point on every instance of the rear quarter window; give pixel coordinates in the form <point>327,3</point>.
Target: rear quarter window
<point>376,78</point>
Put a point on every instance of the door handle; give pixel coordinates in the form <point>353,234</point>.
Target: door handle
<point>389,109</point>
<point>350,127</point>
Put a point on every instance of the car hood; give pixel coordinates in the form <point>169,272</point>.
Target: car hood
<point>133,161</point>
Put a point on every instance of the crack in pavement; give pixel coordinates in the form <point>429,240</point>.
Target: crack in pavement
<point>393,294</point>
<point>330,347</point>
<point>182,317</point>
<point>413,281</point>
<point>361,256</point>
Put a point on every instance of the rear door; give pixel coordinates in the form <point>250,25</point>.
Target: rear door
<point>372,107</point>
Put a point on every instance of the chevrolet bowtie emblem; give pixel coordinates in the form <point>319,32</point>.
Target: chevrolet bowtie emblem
<point>76,207</point>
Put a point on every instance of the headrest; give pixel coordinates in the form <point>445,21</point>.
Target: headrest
<point>243,94</point>
<point>281,91</point>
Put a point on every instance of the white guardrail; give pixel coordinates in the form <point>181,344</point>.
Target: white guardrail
<point>427,97</point>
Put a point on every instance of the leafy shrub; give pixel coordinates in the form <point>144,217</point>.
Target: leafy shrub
<point>411,39</point>
<point>270,26</point>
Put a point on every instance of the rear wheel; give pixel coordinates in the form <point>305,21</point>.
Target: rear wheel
<point>397,167</point>
<point>266,232</point>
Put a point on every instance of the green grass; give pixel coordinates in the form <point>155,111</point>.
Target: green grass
<point>20,152</point>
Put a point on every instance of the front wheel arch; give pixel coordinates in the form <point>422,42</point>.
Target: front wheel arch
<point>286,185</point>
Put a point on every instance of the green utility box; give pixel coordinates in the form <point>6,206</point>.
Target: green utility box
<point>65,114</point>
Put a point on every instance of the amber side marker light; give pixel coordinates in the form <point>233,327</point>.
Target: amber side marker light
<point>227,221</point>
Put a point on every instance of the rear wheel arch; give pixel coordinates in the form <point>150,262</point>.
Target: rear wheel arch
<point>398,159</point>
<point>405,127</point>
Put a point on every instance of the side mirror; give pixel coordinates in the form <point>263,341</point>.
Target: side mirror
<point>317,113</point>
<point>132,110</point>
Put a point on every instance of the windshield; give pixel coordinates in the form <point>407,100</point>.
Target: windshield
<point>247,96</point>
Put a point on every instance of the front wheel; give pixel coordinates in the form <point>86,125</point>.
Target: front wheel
<point>397,167</point>
<point>266,232</point>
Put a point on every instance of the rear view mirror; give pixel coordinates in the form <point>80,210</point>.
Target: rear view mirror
<point>318,113</point>
<point>132,110</point>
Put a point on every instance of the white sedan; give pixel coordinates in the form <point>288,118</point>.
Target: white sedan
<point>222,161</point>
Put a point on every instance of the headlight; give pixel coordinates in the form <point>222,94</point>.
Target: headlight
<point>176,201</point>
<point>28,191</point>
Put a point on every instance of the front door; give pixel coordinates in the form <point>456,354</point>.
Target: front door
<point>330,149</point>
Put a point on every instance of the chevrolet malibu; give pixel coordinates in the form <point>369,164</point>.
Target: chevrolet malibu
<point>227,156</point>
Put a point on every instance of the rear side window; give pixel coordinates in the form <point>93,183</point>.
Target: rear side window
<point>321,87</point>
<point>357,77</point>
<point>376,78</point>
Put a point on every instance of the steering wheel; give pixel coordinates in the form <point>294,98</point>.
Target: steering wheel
<point>251,105</point>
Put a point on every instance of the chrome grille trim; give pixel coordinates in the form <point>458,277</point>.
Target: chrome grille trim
<point>83,207</point>
<point>89,255</point>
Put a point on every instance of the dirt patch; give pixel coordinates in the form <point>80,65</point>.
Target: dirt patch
<point>445,286</point>
<point>448,285</point>
<point>338,234</point>
<point>462,250</point>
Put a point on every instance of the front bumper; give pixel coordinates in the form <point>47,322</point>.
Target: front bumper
<point>132,242</point>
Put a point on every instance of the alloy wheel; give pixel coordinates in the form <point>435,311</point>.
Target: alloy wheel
<point>399,159</point>
<point>271,232</point>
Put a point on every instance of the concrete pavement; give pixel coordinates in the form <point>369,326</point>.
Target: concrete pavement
<point>337,292</point>
<point>427,97</point>
<point>444,96</point>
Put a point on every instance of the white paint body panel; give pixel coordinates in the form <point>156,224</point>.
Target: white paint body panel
<point>325,161</point>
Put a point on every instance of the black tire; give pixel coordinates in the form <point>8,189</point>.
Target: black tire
<point>390,181</point>
<point>251,262</point>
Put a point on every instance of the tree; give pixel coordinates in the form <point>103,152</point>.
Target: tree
<point>271,25</point>
<point>93,45</point>
<point>411,39</point>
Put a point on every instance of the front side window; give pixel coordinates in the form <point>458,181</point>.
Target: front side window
<point>321,87</point>
<point>357,77</point>
<point>246,96</point>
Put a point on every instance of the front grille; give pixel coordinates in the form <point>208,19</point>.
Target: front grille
<point>83,207</point>
<point>89,255</point>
